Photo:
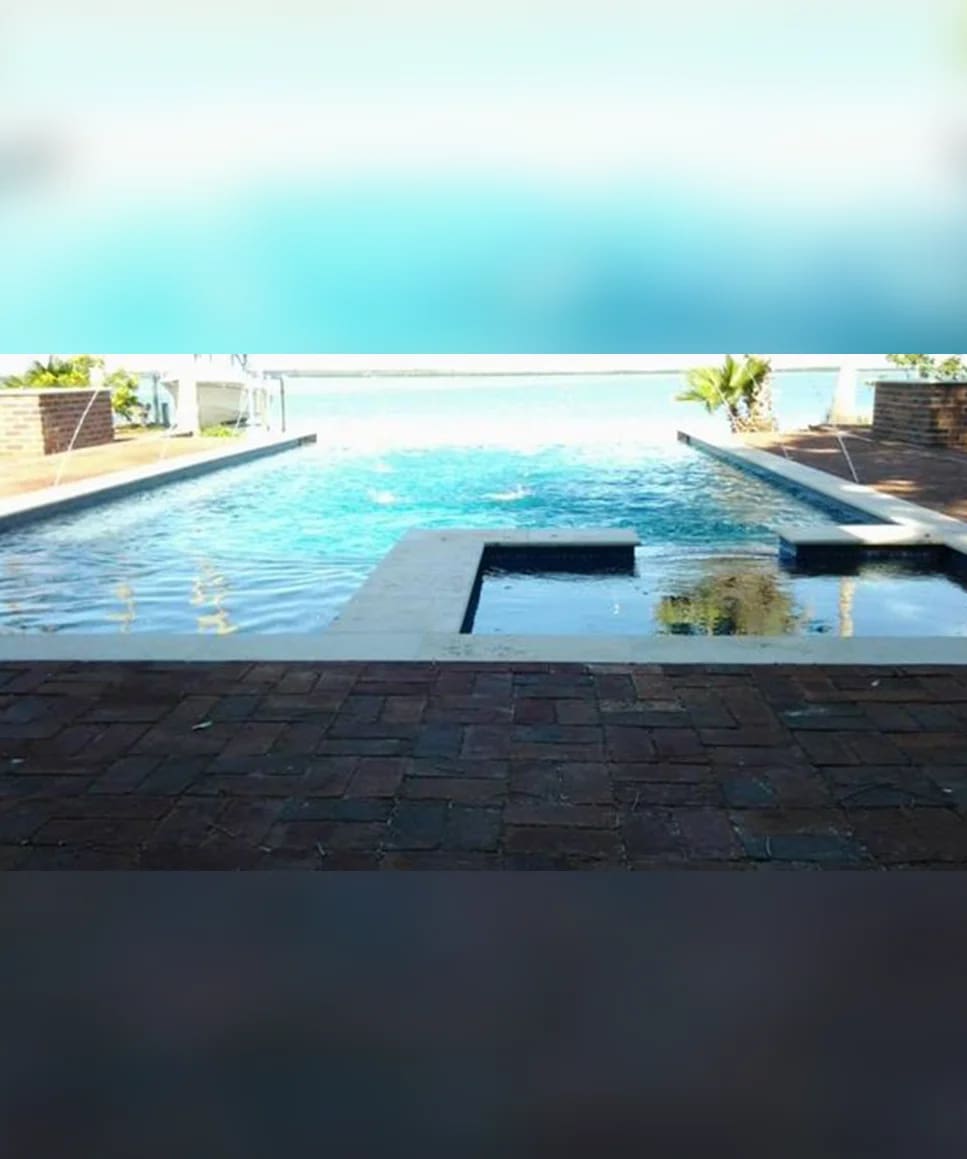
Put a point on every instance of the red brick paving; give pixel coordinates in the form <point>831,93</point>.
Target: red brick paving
<point>481,767</point>
<point>933,478</point>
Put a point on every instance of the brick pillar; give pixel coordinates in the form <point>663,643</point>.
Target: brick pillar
<point>43,422</point>
<point>927,414</point>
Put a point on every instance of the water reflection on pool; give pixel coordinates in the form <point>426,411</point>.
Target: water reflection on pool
<point>700,594</point>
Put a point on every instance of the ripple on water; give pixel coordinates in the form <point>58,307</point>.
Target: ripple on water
<point>280,544</point>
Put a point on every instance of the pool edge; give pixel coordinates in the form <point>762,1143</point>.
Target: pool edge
<point>453,647</point>
<point>39,505</point>
<point>860,497</point>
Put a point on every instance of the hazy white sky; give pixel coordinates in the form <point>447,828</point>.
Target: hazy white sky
<point>810,97</point>
<point>384,45</point>
<point>14,363</point>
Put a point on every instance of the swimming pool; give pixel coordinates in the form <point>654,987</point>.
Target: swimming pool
<point>282,543</point>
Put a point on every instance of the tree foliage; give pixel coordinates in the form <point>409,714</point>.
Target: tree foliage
<point>74,372</point>
<point>930,366</point>
<point>742,388</point>
<point>124,393</point>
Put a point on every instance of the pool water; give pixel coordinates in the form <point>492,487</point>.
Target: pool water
<point>715,594</point>
<point>282,543</point>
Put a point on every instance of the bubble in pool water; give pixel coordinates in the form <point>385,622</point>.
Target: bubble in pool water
<point>383,498</point>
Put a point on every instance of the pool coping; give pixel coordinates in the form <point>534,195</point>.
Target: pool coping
<point>451,647</point>
<point>49,502</point>
<point>428,580</point>
<point>413,605</point>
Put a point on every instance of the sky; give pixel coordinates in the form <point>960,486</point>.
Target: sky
<point>202,95</point>
<point>559,176</point>
<point>593,363</point>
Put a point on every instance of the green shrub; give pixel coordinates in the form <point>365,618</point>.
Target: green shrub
<point>124,393</point>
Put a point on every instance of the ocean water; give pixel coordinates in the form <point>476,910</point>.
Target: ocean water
<point>530,410</point>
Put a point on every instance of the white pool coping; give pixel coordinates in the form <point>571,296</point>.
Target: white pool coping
<point>413,605</point>
<point>450,647</point>
<point>427,581</point>
<point>50,501</point>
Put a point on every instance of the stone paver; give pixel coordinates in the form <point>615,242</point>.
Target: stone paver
<point>22,473</point>
<point>488,766</point>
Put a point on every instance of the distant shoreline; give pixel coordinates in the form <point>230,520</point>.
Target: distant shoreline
<point>824,368</point>
<point>536,366</point>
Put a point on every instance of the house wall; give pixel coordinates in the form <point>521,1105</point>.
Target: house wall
<point>928,414</point>
<point>43,422</point>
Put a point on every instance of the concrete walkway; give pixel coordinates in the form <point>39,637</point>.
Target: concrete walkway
<point>22,473</point>
<point>406,765</point>
<point>933,478</point>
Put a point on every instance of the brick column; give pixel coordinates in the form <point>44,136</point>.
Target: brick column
<point>43,422</point>
<point>927,414</point>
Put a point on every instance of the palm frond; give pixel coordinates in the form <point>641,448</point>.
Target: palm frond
<point>742,388</point>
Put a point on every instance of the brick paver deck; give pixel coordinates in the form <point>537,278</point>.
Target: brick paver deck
<point>933,478</point>
<point>467,766</point>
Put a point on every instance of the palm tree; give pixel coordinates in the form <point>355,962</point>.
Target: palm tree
<point>63,372</point>
<point>743,388</point>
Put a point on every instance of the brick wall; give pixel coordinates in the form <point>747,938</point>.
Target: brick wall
<point>929,414</point>
<point>43,422</point>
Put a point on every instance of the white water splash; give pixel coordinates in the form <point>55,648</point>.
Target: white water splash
<point>509,496</point>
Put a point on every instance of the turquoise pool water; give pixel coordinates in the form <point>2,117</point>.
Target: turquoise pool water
<point>282,543</point>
